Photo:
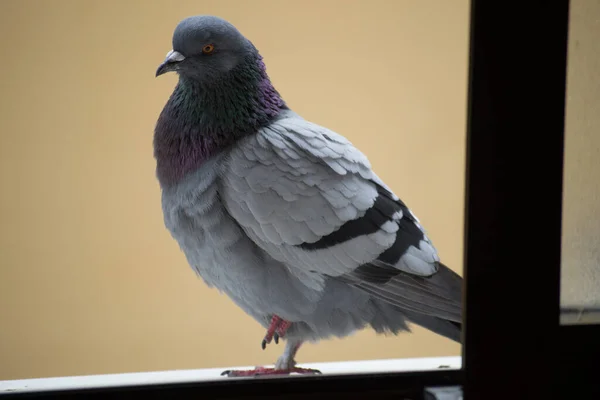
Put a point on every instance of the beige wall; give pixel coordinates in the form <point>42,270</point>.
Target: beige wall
<point>90,280</point>
<point>581,215</point>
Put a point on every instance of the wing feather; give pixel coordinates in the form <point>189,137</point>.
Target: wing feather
<point>308,198</point>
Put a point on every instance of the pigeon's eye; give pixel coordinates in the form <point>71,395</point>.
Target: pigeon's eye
<point>209,48</point>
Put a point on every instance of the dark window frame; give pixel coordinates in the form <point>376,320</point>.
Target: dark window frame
<point>514,346</point>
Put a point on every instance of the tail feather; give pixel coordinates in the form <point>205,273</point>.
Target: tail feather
<point>449,329</point>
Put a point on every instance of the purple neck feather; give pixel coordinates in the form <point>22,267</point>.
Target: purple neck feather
<point>199,121</point>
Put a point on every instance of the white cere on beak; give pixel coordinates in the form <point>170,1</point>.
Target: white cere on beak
<point>175,56</point>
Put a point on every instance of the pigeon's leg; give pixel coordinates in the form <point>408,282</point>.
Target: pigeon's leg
<point>285,365</point>
<point>277,329</point>
<point>286,361</point>
<point>281,331</point>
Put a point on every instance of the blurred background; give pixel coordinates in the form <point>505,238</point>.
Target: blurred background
<point>91,282</point>
<point>580,272</point>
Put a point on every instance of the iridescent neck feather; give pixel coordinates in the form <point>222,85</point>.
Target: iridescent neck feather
<point>199,121</point>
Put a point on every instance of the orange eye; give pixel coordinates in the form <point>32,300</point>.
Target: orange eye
<point>209,48</point>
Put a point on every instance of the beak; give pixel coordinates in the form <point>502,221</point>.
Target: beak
<point>170,64</point>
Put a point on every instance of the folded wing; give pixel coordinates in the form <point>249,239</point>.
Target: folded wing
<point>309,198</point>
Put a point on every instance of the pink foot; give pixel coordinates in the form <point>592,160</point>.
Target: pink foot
<point>277,329</point>
<point>269,371</point>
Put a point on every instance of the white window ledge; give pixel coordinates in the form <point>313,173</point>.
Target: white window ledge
<point>199,375</point>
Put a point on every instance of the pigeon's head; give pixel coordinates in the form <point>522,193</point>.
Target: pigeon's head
<point>205,48</point>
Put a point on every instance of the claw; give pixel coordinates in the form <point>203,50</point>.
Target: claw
<point>276,338</point>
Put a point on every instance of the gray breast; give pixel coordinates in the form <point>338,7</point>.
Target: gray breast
<point>225,257</point>
<point>222,254</point>
<point>198,221</point>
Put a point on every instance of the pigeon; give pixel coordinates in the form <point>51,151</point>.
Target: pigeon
<point>282,215</point>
